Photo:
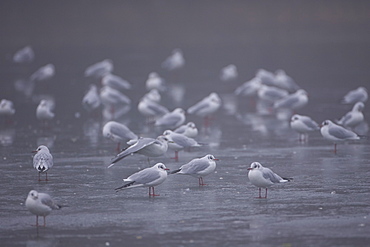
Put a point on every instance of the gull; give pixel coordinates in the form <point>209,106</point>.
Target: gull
<point>284,81</point>
<point>151,109</point>
<point>115,103</point>
<point>271,93</point>
<point>172,119</point>
<point>154,81</point>
<point>336,133</point>
<point>148,177</point>
<point>356,95</point>
<point>189,130</point>
<point>354,117</point>
<point>263,177</point>
<point>303,125</point>
<point>174,61</point>
<point>42,160</point>
<point>153,95</point>
<point>91,100</point>
<point>293,101</point>
<point>115,82</point>
<point>118,132</point>
<point>40,204</point>
<point>43,73</point>
<point>206,107</point>
<point>179,141</point>
<point>249,88</point>
<point>44,110</point>
<point>228,73</point>
<point>198,167</point>
<point>100,69</point>
<point>24,55</point>
<point>146,146</point>
<point>6,108</point>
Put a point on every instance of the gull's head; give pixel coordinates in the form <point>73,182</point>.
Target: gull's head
<point>41,148</point>
<point>167,132</point>
<point>191,125</point>
<point>33,194</point>
<point>294,118</point>
<point>255,165</point>
<point>211,157</point>
<point>161,166</point>
<point>326,123</point>
<point>179,110</point>
<point>359,106</point>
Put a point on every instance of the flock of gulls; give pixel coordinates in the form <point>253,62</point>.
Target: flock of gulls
<point>273,93</point>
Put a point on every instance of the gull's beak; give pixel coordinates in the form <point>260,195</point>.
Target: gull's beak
<point>167,169</point>
<point>216,159</point>
<point>34,151</point>
<point>250,168</point>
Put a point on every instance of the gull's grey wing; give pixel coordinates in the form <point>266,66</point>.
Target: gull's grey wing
<point>345,118</point>
<point>310,123</point>
<point>275,93</point>
<point>195,166</point>
<point>145,176</point>
<point>157,108</point>
<point>123,131</point>
<point>46,200</point>
<point>287,101</point>
<point>183,140</point>
<point>140,144</point>
<point>198,106</point>
<point>42,157</point>
<point>180,129</point>
<point>273,177</point>
<point>341,133</point>
<point>169,119</point>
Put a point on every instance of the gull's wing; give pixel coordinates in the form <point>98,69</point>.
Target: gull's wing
<point>46,200</point>
<point>270,175</point>
<point>168,119</point>
<point>122,131</point>
<point>183,140</point>
<point>198,106</point>
<point>310,123</point>
<point>341,133</point>
<point>145,176</point>
<point>287,101</point>
<point>195,166</point>
<point>140,144</point>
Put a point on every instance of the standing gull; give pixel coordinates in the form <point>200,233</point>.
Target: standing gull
<point>336,133</point>
<point>40,204</point>
<point>303,125</point>
<point>42,161</point>
<point>172,119</point>
<point>149,177</point>
<point>206,107</point>
<point>356,95</point>
<point>146,146</point>
<point>263,177</point>
<point>198,167</point>
<point>118,133</point>
<point>354,117</point>
<point>189,129</point>
<point>179,141</point>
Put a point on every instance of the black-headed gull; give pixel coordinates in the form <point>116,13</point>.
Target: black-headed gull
<point>146,146</point>
<point>24,55</point>
<point>148,177</point>
<point>293,101</point>
<point>154,81</point>
<point>285,82</point>
<point>43,73</point>
<point>172,119</point>
<point>174,61</point>
<point>198,167</point>
<point>263,177</point>
<point>229,73</point>
<point>179,141</point>
<point>356,95</point>
<point>91,99</point>
<point>99,69</point>
<point>151,109</point>
<point>249,88</point>
<point>206,107</point>
<point>44,110</point>
<point>118,133</point>
<point>40,204</point>
<point>336,133</point>
<point>303,125</point>
<point>6,108</point>
<point>354,117</point>
<point>42,160</point>
<point>116,82</point>
<point>189,129</point>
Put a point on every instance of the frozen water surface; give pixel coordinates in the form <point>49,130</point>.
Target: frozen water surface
<point>327,203</point>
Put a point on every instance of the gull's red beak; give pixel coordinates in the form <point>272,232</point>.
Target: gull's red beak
<point>250,168</point>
